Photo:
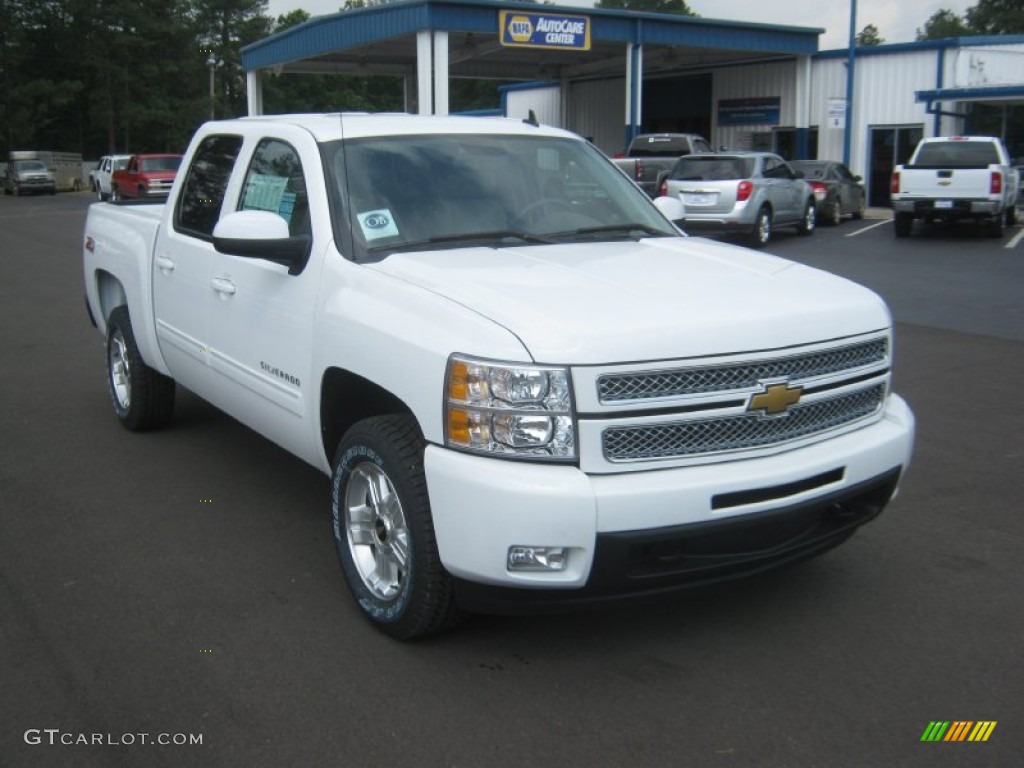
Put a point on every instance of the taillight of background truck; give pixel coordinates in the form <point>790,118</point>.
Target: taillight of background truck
<point>894,188</point>
<point>995,184</point>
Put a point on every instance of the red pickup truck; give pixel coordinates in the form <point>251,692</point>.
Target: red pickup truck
<point>145,176</point>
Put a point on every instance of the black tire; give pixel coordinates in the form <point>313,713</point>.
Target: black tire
<point>389,557</point>
<point>903,224</point>
<point>1011,215</point>
<point>143,398</point>
<point>995,226</point>
<point>761,234</point>
<point>809,220</point>
<point>115,194</point>
<point>835,213</point>
<point>859,212</point>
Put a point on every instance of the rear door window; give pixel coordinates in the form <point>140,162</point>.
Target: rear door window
<point>202,193</point>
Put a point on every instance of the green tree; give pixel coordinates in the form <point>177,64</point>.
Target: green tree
<point>943,23</point>
<point>648,6</point>
<point>996,17</point>
<point>223,28</point>
<point>869,36</point>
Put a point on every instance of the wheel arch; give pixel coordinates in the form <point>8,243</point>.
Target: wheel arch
<point>347,398</point>
<point>111,294</point>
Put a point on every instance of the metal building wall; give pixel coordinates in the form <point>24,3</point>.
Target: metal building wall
<point>597,109</point>
<point>775,79</point>
<point>545,101</point>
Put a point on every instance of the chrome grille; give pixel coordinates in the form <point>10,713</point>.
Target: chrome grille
<point>730,433</point>
<point>623,387</point>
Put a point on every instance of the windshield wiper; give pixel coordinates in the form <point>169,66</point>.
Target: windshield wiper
<point>496,234</point>
<point>628,229</point>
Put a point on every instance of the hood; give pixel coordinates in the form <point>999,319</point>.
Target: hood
<point>655,299</point>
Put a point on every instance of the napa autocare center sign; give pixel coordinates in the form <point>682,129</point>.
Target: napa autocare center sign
<point>544,30</point>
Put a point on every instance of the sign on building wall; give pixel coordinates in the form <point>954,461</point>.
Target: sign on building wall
<point>544,30</point>
<point>836,117</point>
<point>759,111</point>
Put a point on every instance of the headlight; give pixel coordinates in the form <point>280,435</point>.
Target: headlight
<point>509,409</point>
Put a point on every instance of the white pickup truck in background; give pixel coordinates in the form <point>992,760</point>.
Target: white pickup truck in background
<point>528,387</point>
<point>955,178</point>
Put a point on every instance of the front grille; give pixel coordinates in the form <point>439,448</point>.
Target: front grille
<point>697,437</point>
<point>625,387</point>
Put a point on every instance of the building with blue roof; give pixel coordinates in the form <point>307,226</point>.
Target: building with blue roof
<point>610,74</point>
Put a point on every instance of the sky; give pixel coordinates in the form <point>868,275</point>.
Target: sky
<point>897,20</point>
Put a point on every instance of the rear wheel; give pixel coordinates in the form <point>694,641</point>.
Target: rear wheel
<point>384,531</point>
<point>903,223</point>
<point>859,213</point>
<point>806,226</point>
<point>835,212</point>
<point>761,234</point>
<point>1011,215</point>
<point>143,398</point>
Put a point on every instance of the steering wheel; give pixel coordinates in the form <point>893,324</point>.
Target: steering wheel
<point>538,204</point>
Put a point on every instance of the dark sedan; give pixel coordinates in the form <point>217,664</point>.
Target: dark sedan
<point>837,192</point>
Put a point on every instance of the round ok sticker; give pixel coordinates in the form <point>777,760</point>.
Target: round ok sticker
<point>377,224</point>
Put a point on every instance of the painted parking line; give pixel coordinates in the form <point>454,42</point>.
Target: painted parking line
<point>1015,239</point>
<point>869,227</point>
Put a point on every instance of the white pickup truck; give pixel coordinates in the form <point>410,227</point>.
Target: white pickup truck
<point>529,388</point>
<point>953,178</point>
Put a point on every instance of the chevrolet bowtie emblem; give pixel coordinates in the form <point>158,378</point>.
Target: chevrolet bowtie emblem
<point>775,399</point>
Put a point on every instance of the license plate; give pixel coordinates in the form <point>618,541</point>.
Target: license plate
<point>699,199</point>
<point>943,203</point>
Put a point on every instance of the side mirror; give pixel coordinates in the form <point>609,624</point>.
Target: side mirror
<point>671,208</point>
<point>261,235</point>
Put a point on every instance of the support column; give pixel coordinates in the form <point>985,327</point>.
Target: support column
<point>441,72</point>
<point>254,92</point>
<point>424,72</point>
<point>802,111</point>
<point>634,90</point>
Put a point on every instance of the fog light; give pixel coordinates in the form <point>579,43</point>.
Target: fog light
<point>536,558</point>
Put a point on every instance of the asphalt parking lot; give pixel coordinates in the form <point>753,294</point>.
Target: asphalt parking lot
<point>184,583</point>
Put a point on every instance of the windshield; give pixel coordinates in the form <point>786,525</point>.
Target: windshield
<point>957,154</point>
<point>29,165</point>
<point>810,170</point>
<point>433,191</point>
<point>160,163</point>
<point>121,163</point>
<point>712,168</point>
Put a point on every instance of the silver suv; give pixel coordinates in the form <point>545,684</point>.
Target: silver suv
<point>749,193</point>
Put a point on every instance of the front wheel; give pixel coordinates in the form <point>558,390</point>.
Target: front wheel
<point>143,398</point>
<point>115,195</point>
<point>384,531</point>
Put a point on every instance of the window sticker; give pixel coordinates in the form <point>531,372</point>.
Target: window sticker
<point>264,192</point>
<point>287,206</point>
<point>377,224</point>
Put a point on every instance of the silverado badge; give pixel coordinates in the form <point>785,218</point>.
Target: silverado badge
<point>775,399</point>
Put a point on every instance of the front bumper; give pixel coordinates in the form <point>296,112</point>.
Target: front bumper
<point>648,532</point>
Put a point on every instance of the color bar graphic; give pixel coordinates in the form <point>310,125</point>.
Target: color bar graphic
<point>958,730</point>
